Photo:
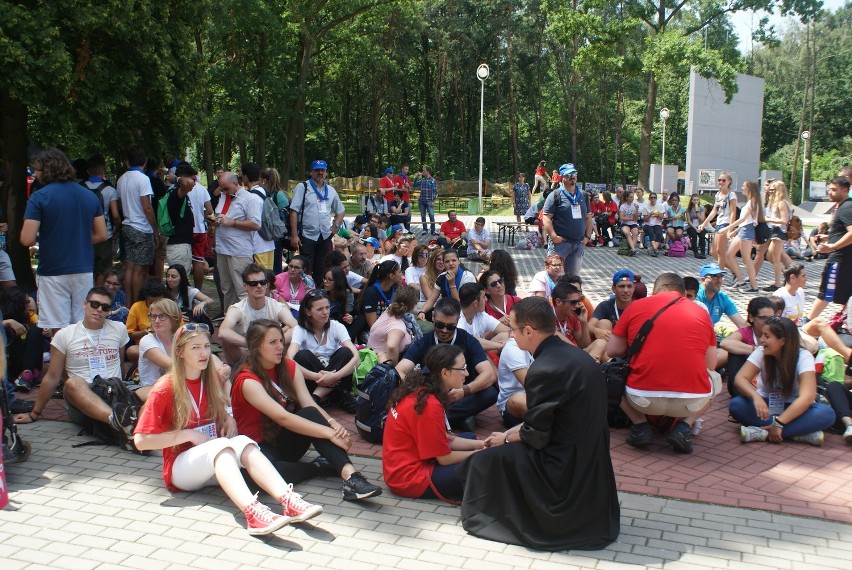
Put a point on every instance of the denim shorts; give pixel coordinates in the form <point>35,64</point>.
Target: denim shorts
<point>721,227</point>
<point>778,233</point>
<point>746,232</point>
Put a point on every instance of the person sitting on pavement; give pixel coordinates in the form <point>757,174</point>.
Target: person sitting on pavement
<point>838,394</point>
<point>448,283</point>
<point>359,264</point>
<point>793,292</point>
<point>543,282</point>
<point>479,391</point>
<point>451,231</point>
<point>323,349</point>
<point>608,312</point>
<point>272,406</point>
<point>502,263</point>
<point>419,456</point>
<point>718,302</point>
<point>479,242</point>
<point>692,286</point>
<point>735,349</point>
<point>138,324</point>
<point>292,286</point>
<point>498,301</point>
<point>434,268</point>
<point>511,377</point>
<point>628,215</point>
<point>390,335</point>
<point>490,332</point>
<point>185,417</point>
<point>256,305</point>
<point>92,347</point>
<point>191,302</point>
<point>419,257</point>
<point>572,324</point>
<point>653,386</point>
<point>113,281</point>
<point>342,301</point>
<point>577,282</point>
<point>340,259</point>
<point>782,405</point>
<point>379,291</point>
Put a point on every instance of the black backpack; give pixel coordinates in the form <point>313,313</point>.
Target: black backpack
<point>124,403</point>
<point>100,194</point>
<point>371,405</point>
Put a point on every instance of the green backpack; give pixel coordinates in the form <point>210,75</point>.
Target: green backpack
<point>164,221</point>
<point>832,365</point>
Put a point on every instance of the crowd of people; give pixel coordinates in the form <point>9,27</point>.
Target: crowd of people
<point>301,311</point>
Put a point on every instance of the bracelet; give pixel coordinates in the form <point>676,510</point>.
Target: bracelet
<point>506,439</point>
<point>466,390</point>
<point>778,422</point>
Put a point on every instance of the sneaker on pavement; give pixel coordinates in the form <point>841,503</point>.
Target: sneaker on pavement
<point>771,288</point>
<point>21,406</point>
<point>749,434</point>
<point>123,418</point>
<point>357,487</point>
<point>847,435</point>
<point>814,438</point>
<point>640,435</point>
<point>261,520</point>
<point>680,438</point>
<point>346,401</point>
<point>295,507</point>
<point>751,290</point>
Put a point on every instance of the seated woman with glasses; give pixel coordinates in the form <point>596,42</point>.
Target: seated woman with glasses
<point>499,303</point>
<point>138,324</point>
<point>735,349</point>
<point>419,456</point>
<point>272,406</point>
<point>543,282</point>
<point>448,283</point>
<point>417,269</point>
<point>323,349</point>
<point>390,334</point>
<point>185,417</point>
<point>342,301</point>
<point>782,405</point>
<point>292,285</point>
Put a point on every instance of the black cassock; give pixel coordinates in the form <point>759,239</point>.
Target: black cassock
<point>554,490</point>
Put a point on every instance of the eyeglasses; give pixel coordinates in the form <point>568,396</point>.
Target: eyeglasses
<point>105,307</point>
<point>570,301</point>
<point>462,369</point>
<point>112,283</point>
<point>158,317</point>
<point>652,197</point>
<point>496,283</point>
<point>260,282</point>
<point>444,326</point>
<point>294,267</point>
<point>763,318</point>
<point>424,255</point>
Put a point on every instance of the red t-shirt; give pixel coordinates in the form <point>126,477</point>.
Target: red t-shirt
<point>158,414</point>
<point>601,207</point>
<point>541,172</point>
<point>570,327</point>
<point>402,182</point>
<point>387,184</point>
<point>496,312</point>
<point>249,419</point>
<point>411,444</point>
<point>673,356</point>
<point>453,230</point>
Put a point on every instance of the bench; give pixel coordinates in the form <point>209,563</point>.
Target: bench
<point>508,230</point>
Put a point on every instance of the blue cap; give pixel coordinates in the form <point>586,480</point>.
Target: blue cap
<point>566,169</point>
<point>388,170</point>
<point>319,165</point>
<point>623,275</point>
<point>397,228</point>
<point>710,269</point>
<point>372,241</point>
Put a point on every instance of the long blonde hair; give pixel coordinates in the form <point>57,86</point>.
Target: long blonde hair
<point>780,195</point>
<point>432,272</point>
<point>177,376</point>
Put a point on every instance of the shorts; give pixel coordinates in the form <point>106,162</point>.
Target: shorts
<point>746,232</point>
<point>138,246</point>
<point>721,227</point>
<point>675,407</point>
<point>179,254</point>
<point>630,225</point>
<point>103,257</point>
<point>264,259</point>
<point>834,287</point>
<point>200,248</point>
<point>193,469</point>
<point>778,233</point>
<point>61,298</point>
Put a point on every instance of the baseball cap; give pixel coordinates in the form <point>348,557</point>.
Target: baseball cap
<point>710,269</point>
<point>566,169</point>
<point>623,275</point>
<point>397,228</point>
<point>372,241</point>
<point>388,170</point>
<point>319,165</point>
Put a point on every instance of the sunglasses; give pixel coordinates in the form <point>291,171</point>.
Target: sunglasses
<point>256,283</point>
<point>444,326</point>
<point>105,307</point>
<point>462,369</point>
<point>315,293</point>
<point>160,317</point>
<point>192,327</point>
<point>570,301</point>
<point>496,283</point>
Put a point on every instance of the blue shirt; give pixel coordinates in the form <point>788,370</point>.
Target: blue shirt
<point>428,189</point>
<point>559,204</point>
<point>65,212</point>
<point>473,353</point>
<point>720,305</point>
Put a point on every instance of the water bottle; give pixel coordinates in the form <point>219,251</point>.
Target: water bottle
<point>309,281</point>
<point>3,241</point>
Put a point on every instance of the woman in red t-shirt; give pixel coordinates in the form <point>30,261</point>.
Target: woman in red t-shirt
<point>418,453</point>
<point>185,417</point>
<point>272,406</point>
<point>499,302</point>
<point>541,178</point>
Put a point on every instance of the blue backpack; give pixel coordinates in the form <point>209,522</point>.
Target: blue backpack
<point>371,405</point>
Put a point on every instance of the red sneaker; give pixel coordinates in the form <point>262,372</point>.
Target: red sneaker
<point>261,520</point>
<point>296,508</point>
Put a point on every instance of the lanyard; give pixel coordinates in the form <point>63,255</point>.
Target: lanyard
<point>498,309</point>
<point>453,341</point>
<point>195,405</point>
<point>615,306</point>
<point>574,199</point>
<point>324,195</point>
<point>137,169</point>
<point>384,297</point>
<point>95,345</point>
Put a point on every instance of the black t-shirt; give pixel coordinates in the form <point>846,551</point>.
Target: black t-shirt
<point>473,353</point>
<point>375,301</point>
<point>607,311</point>
<point>841,219</point>
<point>183,225</point>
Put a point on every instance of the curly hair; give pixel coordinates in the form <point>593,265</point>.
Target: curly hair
<point>439,358</point>
<point>54,166</point>
<point>502,263</point>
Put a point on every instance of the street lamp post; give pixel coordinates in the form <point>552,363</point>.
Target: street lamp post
<point>482,73</point>
<point>664,114</point>
<point>806,136</point>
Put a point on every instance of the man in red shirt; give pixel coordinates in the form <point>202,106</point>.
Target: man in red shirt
<point>451,230</point>
<point>669,376</point>
<point>387,184</point>
<point>402,182</point>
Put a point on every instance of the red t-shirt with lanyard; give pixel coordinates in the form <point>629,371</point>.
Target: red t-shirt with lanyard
<point>250,419</point>
<point>158,415</point>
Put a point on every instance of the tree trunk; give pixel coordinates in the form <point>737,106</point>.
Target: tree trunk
<point>647,128</point>
<point>513,111</point>
<point>296,124</point>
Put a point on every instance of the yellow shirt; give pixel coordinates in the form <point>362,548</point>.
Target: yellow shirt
<point>137,318</point>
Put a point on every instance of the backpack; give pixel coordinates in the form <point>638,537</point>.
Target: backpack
<point>677,248</point>
<point>371,405</point>
<point>125,406</point>
<point>164,220</point>
<point>615,373</point>
<point>272,227</point>
<point>100,194</point>
<point>624,247</point>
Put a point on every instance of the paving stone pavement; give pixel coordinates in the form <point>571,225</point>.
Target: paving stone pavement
<point>99,507</point>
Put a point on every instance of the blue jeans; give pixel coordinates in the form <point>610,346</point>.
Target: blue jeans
<point>571,251</point>
<point>427,207</point>
<point>816,417</point>
<point>472,405</point>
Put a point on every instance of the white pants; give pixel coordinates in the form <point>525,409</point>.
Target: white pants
<point>193,469</point>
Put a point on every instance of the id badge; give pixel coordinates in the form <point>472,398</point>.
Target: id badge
<point>776,403</point>
<point>575,212</point>
<point>323,207</point>
<point>98,366</point>
<point>209,430</point>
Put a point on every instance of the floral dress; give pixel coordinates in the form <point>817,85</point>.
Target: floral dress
<point>522,198</point>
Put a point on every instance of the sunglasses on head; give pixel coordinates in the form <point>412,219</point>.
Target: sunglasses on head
<point>315,293</point>
<point>256,282</point>
<point>105,307</point>
<point>192,327</point>
<point>496,283</point>
<point>444,326</point>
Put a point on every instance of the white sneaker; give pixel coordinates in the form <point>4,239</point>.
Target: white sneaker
<point>847,435</point>
<point>816,438</point>
<point>749,434</point>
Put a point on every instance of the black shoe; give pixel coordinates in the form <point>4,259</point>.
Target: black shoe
<point>322,401</point>
<point>17,450</point>
<point>680,438</point>
<point>21,406</point>
<point>357,487</point>
<point>750,290</point>
<point>771,288</point>
<point>324,468</point>
<point>640,435</point>
<point>700,256</point>
<point>123,418</point>
<point>469,424</point>
<point>346,401</point>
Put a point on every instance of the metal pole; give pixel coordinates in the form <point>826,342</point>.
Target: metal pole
<point>481,121</point>
<point>663,166</point>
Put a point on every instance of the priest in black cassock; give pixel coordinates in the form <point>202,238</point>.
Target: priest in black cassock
<point>549,483</point>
